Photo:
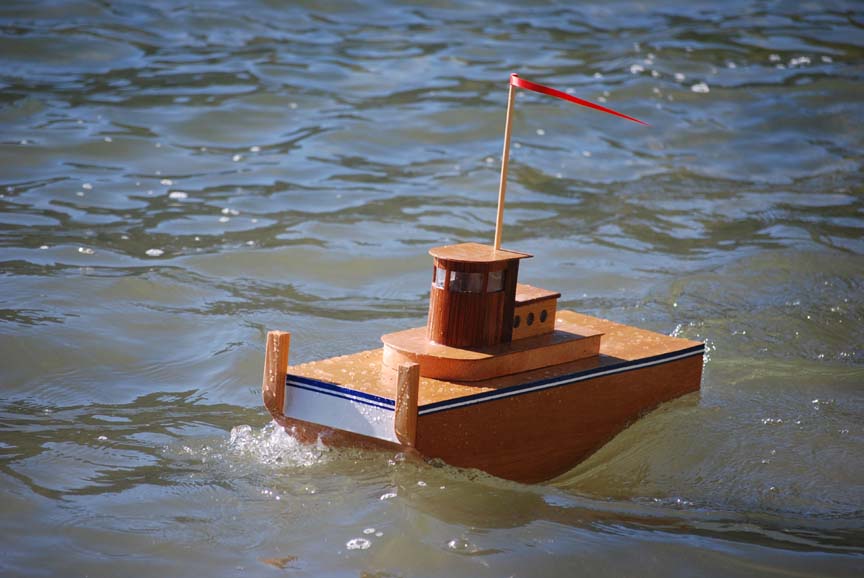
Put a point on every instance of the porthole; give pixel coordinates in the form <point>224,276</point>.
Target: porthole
<point>530,319</point>
<point>543,316</point>
<point>516,321</point>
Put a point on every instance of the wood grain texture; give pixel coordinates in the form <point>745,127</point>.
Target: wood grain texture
<point>473,319</point>
<point>536,317</point>
<point>526,436</point>
<point>475,253</point>
<point>365,372</point>
<point>440,361</point>
<point>526,294</point>
<point>465,319</point>
<point>407,396</point>
<point>275,370</point>
<point>536,436</point>
<point>505,163</point>
<point>511,281</point>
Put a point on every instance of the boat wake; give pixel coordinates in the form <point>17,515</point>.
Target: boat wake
<point>272,445</point>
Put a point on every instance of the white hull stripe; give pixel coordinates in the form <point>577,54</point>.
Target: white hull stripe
<point>384,403</point>
<point>340,392</point>
<point>559,381</point>
<point>345,413</point>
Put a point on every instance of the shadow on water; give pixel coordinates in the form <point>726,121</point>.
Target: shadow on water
<point>475,500</point>
<point>172,442</point>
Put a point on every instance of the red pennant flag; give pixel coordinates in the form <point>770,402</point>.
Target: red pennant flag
<point>528,85</point>
<point>516,82</point>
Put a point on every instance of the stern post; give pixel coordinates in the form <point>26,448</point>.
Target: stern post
<point>407,394</point>
<point>275,371</point>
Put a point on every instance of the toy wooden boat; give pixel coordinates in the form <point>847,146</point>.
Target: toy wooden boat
<point>498,380</point>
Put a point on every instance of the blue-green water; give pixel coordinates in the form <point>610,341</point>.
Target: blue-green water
<point>179,177</point>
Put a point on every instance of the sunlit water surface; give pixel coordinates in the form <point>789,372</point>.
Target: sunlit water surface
<point>178,177</point>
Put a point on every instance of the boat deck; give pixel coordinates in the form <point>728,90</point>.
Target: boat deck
<point>622,347</point>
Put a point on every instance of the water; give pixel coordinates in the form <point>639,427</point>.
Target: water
<point>177,178</point>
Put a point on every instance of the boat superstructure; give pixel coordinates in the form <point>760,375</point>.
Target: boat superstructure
<point>499,379</point>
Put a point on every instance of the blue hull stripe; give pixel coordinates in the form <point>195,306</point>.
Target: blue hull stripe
<point>561,380</point>
<point>389,404</point>
<point>341,392</point>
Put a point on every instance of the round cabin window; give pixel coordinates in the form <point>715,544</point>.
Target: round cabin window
<point>543,316</point>
<point>530,319</point>
<point>516,321</point>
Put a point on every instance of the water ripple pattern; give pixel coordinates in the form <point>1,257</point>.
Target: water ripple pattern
<point>177,177</point>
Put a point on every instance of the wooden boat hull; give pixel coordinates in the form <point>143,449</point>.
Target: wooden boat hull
<point>528,427</point>
<point>540,434</point>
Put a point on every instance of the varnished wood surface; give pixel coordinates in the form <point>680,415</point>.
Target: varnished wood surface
<point>530,316</point>
<point>505,163</point>
<point>275,370</point>
<point>468,319</point>
<point>537,436</point>
<point>439,361</point>
<point>511,281</point>
<point>474,253</point>
<point>465,319</point>
<point>364,372</point>
<point>527,436</point>
<point>526,294</point>
<point>407,395</point>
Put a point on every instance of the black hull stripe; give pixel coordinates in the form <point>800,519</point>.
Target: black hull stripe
<point>384,403</point>
<point>562,380</point>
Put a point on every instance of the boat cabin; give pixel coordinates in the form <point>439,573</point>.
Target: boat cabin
<point>483,323</point>
<point>476,300</point>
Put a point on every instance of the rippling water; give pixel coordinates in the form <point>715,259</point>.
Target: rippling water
<point>178,177</point>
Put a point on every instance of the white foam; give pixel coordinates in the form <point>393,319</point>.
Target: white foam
<point>273,445</point>
<point>358,544</point>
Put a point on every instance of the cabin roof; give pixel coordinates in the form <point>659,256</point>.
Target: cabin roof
<point>475,253</point>
<point>526,294</point>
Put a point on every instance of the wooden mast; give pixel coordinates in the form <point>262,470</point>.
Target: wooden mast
<point>505,161</point>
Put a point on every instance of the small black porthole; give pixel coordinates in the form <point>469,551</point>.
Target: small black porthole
<point>530,319</point>
<point>543,316</point>
<point>516,321</point>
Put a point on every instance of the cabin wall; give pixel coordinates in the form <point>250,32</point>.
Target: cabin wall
<point>534,318</point>
<point>471,318</point>
<point>511,280</point>
<point>465,319</point>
